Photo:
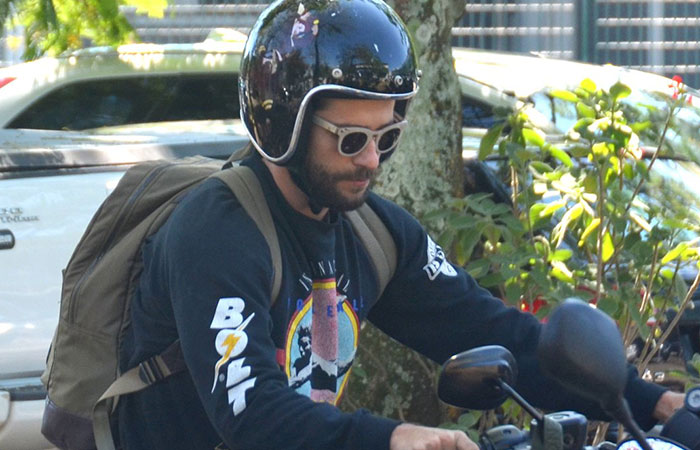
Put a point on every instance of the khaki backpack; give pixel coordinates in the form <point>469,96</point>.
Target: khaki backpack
<point>82,375</point>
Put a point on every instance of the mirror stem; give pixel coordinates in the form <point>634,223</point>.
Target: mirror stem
<point>522,402</point>
<point>620,410</point>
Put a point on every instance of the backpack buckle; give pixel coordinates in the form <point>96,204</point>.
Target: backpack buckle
<point>151,371</point>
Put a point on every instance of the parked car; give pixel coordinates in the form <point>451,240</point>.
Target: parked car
<point>133,83</point>
<point>491,80</point>
<point>51,182</point>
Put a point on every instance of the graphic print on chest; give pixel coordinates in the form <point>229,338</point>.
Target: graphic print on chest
<point>328,318</point>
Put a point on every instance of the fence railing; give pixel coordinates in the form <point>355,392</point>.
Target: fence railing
<point>546,28</point>
<point>192,23</point>
<point>661,36</point>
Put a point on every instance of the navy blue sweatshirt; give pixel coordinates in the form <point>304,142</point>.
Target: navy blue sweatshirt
<point>207,280</point>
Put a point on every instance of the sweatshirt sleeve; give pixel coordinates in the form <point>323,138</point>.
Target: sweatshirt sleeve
<point>219,275</point>
<point>439,310</point>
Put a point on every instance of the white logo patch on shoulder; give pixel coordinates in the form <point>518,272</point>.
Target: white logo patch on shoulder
<point>230,342</point>
<point>437,262</point>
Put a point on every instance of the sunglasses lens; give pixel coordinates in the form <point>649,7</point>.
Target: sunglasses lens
<point>388,140</point>
<point>353,143</point>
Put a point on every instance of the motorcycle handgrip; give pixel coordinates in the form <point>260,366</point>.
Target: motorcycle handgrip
<point>683,427</point>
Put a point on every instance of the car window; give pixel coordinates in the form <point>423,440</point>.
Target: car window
<point>154,98</point>
<point>476,114</point>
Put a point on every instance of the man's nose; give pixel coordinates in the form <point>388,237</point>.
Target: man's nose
<point>369,156</point>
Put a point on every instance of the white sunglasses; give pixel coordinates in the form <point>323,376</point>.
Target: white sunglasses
<point>352,140</point>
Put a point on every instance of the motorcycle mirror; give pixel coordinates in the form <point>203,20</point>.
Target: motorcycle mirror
<point>582,348</point>
<point>471,379</point>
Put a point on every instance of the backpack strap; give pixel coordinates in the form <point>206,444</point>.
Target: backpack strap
<point>377,241</point>
<point>246,187</point>
<point>155,368</point>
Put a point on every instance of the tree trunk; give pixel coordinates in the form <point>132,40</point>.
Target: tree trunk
<point>426,170</point>
<point>422,175</point>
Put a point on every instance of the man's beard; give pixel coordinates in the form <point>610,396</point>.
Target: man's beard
<point>323,186</point>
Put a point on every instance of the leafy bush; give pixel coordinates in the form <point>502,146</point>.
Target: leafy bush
<point>589,217</point>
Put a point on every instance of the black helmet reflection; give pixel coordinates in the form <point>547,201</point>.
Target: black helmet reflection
<point>299,49</point>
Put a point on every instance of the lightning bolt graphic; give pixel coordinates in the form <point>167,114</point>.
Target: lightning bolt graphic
<point>230,343</point>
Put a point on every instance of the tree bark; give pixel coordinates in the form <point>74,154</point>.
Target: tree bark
<point>426,170</point>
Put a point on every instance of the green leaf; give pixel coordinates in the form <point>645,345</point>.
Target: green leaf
<point>589,86</point>
<point>536,220</point>
<point>491,280</point>
<point>583,123</point>
<point>513,224</point>
<point>461,222</point>
<point>680,289</point>
<point>639,220</point>
<point>541,167</point>
<point>690,253</point>
<point>552,208</point>
<point>608,306</point>
<point>489,140</point>
<point>541,248</point>
<point>533,137</point>
<point>536,211</point>
<point>478,268</point>
<point>437,214</point>
<point>562,255</point>
<point>488,207</point>
<point>628,171</point>
<point>447,237</point>
<point>666,273</point>
<point>581,93</point>
<point>641,126</point>
<point>601,149</point>
<point>468,420</point>
<point>560,275</point>
<point>513,149</point>
<point>676,223</point>
<point>564,95</point>
<point>608,247</point>
<point>585,110</point>
<point>620,90</point>
<point>513,292</point>
<point>638,319</point>
<point>579,151</point>
<point>641,251</point>
<point>466,243</point>
<point>499,209</point>
<point>561,156</point>
<point>601,124</point>
<point>109,8</point>
<point>524,154</point>
<point>576,211</point>
<point>675,253</point>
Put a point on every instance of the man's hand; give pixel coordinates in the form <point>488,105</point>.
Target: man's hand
<point>414,437</point>
<point>668,404</point>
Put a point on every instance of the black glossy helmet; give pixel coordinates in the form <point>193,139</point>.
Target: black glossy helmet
<point>297,49</point>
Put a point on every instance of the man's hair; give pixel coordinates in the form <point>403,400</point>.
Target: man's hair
<point>303,332</point>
